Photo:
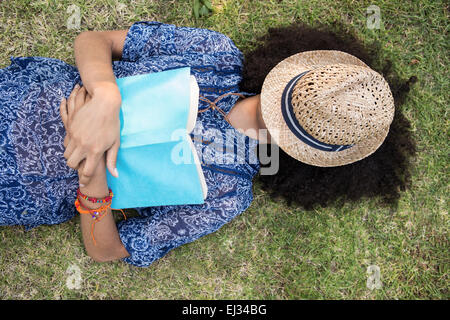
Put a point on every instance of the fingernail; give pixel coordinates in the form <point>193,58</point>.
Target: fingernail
<point>82,185</point>
<point>116,173</point>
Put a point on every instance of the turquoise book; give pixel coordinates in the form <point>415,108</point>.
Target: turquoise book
<point>157,161</point>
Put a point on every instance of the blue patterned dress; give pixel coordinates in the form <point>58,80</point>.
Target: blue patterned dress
<point>37,187</point>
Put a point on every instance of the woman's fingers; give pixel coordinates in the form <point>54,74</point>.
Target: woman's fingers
<point>75,158</point>
<point>68,108</point>
<point>63,112</point>
<point>111,159</point>
<point>81,167</point>
<point>71,103</point>
<point>69,149</point>
<point>88,97</point>
<point>80,99</point>
<point>80,171</point>
<point>89,169</point>
<point>66,140</point>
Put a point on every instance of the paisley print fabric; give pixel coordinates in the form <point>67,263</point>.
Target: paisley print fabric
<point>37,187</point>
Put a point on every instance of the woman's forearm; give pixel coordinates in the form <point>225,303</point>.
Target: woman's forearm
<point>94,53</point>
<point>108,245</point>
<point>95,128</point>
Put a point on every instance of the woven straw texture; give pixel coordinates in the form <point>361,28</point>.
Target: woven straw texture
<point>339,101</point>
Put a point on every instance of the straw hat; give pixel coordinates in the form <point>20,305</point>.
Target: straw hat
<point>326,108</point>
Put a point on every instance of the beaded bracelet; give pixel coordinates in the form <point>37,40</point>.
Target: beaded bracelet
<point>96,214</point>
<point>96,200</point>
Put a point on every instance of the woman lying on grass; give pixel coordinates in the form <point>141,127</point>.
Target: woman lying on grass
<point>332,116</point>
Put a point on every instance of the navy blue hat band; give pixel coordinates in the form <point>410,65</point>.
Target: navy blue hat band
<point>294,125</point>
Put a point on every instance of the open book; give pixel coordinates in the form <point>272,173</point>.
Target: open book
<point>157,161</point>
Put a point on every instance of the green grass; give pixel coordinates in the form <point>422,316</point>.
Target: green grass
<point>271,251</point>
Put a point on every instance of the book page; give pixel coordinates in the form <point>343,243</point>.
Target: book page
<point>193,108</point>
<point>199,169</point>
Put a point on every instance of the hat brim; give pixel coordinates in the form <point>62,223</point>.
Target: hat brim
<point>272,92</point>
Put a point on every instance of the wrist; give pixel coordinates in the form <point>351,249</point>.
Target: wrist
<point>108,92</point>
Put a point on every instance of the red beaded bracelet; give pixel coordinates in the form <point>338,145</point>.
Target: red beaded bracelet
<point>95,200</point>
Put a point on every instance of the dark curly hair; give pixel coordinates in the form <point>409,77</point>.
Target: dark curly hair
<point>383,174</point>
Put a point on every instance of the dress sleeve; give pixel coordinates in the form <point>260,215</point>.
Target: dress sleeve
<point>147,39</point>
<point>161,229</point>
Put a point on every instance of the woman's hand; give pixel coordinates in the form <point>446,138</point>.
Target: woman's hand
<point>77,100</point>
<point>93,129</point>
